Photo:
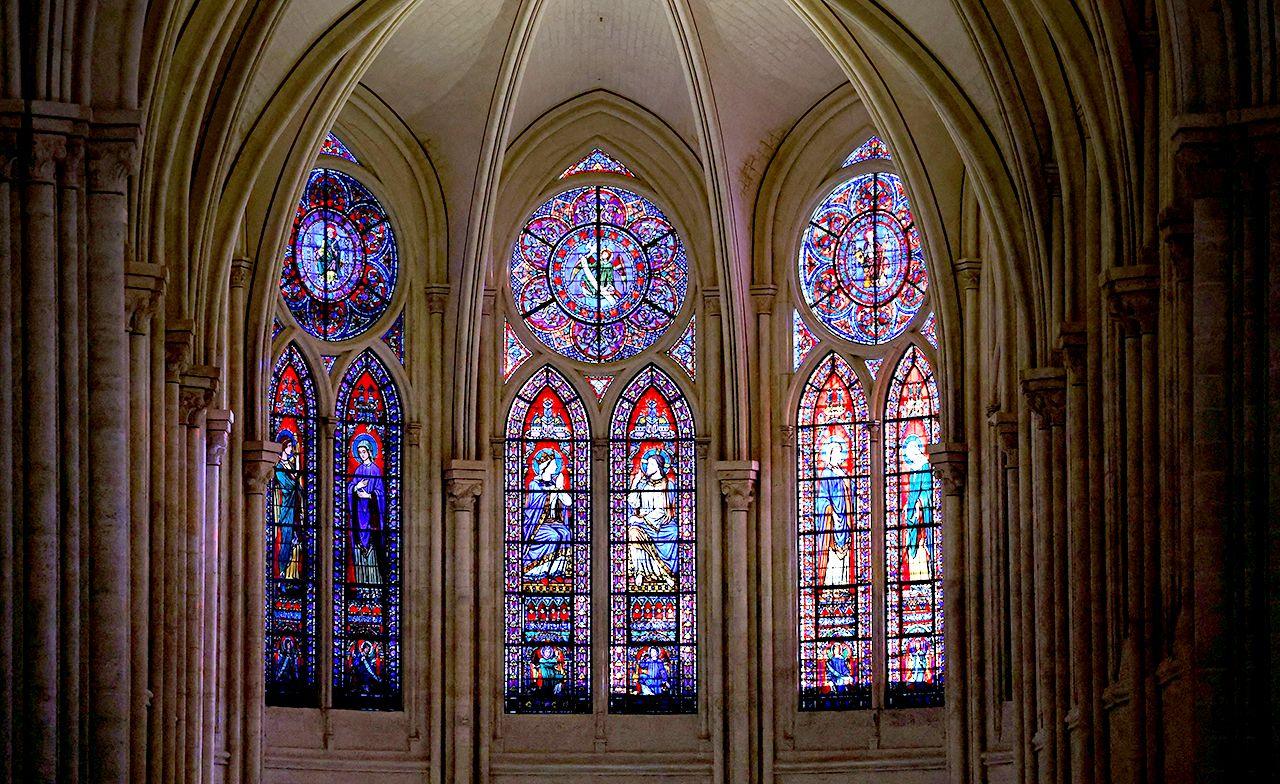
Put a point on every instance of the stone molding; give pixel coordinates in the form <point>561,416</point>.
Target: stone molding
<point>950,463</point>
<point>1046,393</point>
<point>464,481</point>
<point>218,424</point>
<point>260,459</point>
<point>737,483</point>
<point>1132,295</point>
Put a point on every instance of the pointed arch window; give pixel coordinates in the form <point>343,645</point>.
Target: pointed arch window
<point>292,510</point>
<point>547,553</point>
<point>597,161</point>
<point>653,649</point>
<point>833,476</point>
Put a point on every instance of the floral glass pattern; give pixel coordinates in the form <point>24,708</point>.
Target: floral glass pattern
<point>332,145</point>
<point>598,274</point>
<point>685,351</point>
<point>653,654</point>
<point>913,537</point>
<point>341,263</point>
<point>861,265</point>
<point>833,477</point>
<point>547,561</point>
<point>597,161</point>
<point>367,529</point>
<point>291,514</point>
<point>872,149</point>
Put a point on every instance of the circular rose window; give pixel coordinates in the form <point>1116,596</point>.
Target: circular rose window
<point>340,264</point>
<point>598,274</point>
<point>862,268</point>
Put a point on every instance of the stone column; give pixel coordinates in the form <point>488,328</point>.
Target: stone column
<point>737,485</point>
<point>110,163</point>
<point>761,559</point>
<point>1005,426</point>
<point>218,424</point>
<point>464,482</point>
<point>437,303</point>
<point>39,508</point>
<point>145,283</point>
<point>8,599</point>
<point>178,348</point>
<point>260,458</point>
<point>950,462</point>
<point>234,602</point>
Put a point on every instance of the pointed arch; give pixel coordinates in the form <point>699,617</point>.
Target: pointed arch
<point>292,516</point>
<point>547,553</point>
<point>368,476</point>
<point>653,613</point>
<point>913,537</point>
<point>833,513</point>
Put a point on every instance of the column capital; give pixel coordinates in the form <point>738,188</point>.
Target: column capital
<point>144,283</point>
<point>711,301</point>
<point>950,464</point>
<point>1073,343</point>
<point>1046,392</point>
<point>48,150</point>
<point>763,297</point>
<point>241,271</point>
<point>968,272</point>
<point>71,170</point>
<point>217,433</point>
<point>1132,294</point>
<point>600,448</point>
<point>199,383</point>
<point>437,297</point>
<point>737,483</point>
<point>179,340</point>
<point>110,164</point>
<point>413,434</point>
<point>8,153</point>
<point>260,458</point>
<point>788,433</point>
<point>1005,425</point>
<point>464,481</point>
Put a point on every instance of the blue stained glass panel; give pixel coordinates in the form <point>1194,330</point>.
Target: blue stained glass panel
<point>597,161</point>
<point>685,351</point>
<point>872,149</point>
<point>332,145</point>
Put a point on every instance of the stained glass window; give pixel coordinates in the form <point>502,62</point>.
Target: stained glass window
<point>872,149</point>
<point>833,484</point>
<point>913,537</point>
<point>873,367</point>
<point>930,330</point>
<point>332,145</point>
<point>291,537</point>
<point>599,385</point>
<point>276,327</point>
<point>341,264</point>
<point>861,265</point>
<point>598,274</point>
<point>328,360</point>
<point>514,353</point>
<point>685,351</point>
<point>653,653</point>
<point>367,549</point>
<point>547,573</point>
<point>597,161</point>
<point>802,341</point>
<point>394,338</point>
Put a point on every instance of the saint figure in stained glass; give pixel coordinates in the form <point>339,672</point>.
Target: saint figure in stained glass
<point>368,502</point>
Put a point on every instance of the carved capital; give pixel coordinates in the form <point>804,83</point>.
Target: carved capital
<point>144,283</point>
<point>1046,393</point>
<point>48,150</point>
<point>968,273</point>
<point>464,481</point>
<point>241,271</point>
<point>702,445</point>
<point>763,298</point>
<point>217,434</point>
<point>195,395</point>
<point>71,171</point>
<point>260,458</point>
<point>1133,296</point>
<point>413,434</point>
<point>179,340</point>
<point>788,433</point>
<point>110,164</point>
<point>600,449</point>
<point>1073,343</point>
<point>950,463</point>
<point>437,297</point>
<point>8,153</point>
<point>737,483</point>
<point>711,301</point>
<point>1176,233</point>
<point>1005,425</point>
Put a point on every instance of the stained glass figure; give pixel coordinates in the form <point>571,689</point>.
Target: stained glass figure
<point>514,353</point>
<point>547,563</point>
<point>685,351</point>
<point>329,360</point>
<point>913,537</point>
<point>367,549</point>
<point>930,329</point>
<point>276,327</point>
<point>653,654</point>
<point>291,514</point>
<point>598,274</point>
<point>802,341</point>
<point>332,145</point>
<point>599,385</point>
<point>833,485</point>
<point>597,161</point>
<point>873,367</point>
<point>394,338</point>
<point>341,263</point>
<point>861,264</point>
<point>870,150</point>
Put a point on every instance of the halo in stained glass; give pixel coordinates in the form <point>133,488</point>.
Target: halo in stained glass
<point>861,265</point>
<point>341,262</point>
<point>598,274</point>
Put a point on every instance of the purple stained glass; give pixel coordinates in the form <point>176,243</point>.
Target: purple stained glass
<point>802,341</point>
<point>598,274</point>
<point>653,582</point>
<point>514,353</point>
<point>861,264</point>
<point>276,327</point>
<point>366,536</point>
<point>597,161</point>
<point>394,338</point>
<point>332,145</point>
<point>329,360</point>
<point>873,367</point>
<point>290,546</point>
<point>599,385</point>
<point>685,351</point>
<point>341,263</point>
<point>870,150</point>
<point>833,510</point>
<point>547,552</point>
<point>913,538</point>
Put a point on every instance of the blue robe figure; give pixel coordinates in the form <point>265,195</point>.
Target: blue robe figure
<point>365,680</point>
<point>546,519</point>
<point>832,508</point>
<point>286,669</point>
<point>652,675</point>
<point>839,676</point>
<point>653,527</point>
<point>287,495</point>
<point>366,497</point>
<point>917,511</point>
<point>547,669</point>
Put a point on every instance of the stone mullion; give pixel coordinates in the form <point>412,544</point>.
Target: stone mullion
<point>325,541</point>
<point>737,486</point>
<point>260,459</point>
<point>464,480</point>
<point>879,558</point>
